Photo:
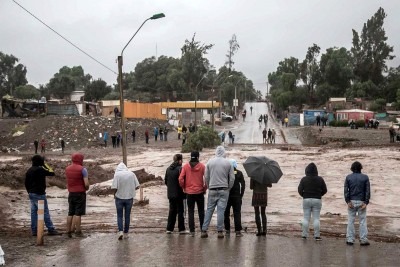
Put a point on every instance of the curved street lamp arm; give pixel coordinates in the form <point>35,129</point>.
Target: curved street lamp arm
<point>134,35</point>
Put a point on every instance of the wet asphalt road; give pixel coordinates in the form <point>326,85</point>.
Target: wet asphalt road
<point>156,249</point>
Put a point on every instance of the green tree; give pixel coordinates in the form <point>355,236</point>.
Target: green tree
<point>194,64</point>
<point>289,65</point>
<point>393,85</point>
<point>27,92</point>
<point>233,47</point>
<point>371,51</point>
<point>97,90</point>
<point>12,74</point>
<point>310,72</point>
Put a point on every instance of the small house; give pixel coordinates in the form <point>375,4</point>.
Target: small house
<point>354,114</point>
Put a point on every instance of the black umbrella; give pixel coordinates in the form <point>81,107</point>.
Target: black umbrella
<point>263,169</point>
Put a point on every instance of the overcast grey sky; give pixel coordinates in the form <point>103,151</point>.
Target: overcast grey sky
<point>267,30</point>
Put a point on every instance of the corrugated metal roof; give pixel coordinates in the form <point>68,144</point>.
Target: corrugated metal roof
<point>354,110</point>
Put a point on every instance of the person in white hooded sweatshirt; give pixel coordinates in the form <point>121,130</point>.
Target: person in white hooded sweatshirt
<point>219,178</point>
<point>125,184</point>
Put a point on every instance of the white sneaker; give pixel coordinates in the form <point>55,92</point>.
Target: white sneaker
<point>168,232</point>
<point>126,236</point>
<point>183,232</point>
<point>120,235</point>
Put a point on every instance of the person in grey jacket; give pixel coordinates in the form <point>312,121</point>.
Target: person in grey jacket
<point>312,187</point>
<point>219,177</point>
<point>357,194</point>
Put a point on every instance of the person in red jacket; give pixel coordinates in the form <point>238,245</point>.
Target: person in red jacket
<point>192,182</point>
<point>77,184</point>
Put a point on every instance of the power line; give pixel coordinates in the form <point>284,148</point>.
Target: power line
<point>63,37</point>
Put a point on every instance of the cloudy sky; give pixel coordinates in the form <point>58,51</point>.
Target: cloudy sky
<point>267,31</point>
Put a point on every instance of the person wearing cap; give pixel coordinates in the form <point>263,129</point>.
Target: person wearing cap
<point>235,201</point>
<point>77,185</point>
<point>35,184</point>
<point>175,195</point>
<point>219,178</point>
<point>192,182</point>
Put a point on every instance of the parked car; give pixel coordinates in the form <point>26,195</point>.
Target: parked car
<point>226,117</point>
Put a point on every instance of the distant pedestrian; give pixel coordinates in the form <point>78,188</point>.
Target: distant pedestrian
<point>165,133</point>
<point>124,185</point>
<point>230,135</point>
<point>175,195</point>
<point>264,135</point>
<point>235,201</point>
<point>184,136</point>
<point>269,139</point>
<point>133,136</point>
<point>286,121</point>
<point>191,179</point>
<point>312,187</point>
<point>366,123</point>
<point>260,202</point>
<point>43,146</point>
<point>318,119</point>
<point>116,112</point>
<point>273,135</point>
<point>184,129</point>
<point>156,134</point>
<point>219,178</point>
<point>179,132</point>
<point>35,184</point>
<point>105,138</point>
<point>36,144</point>
<point>251,110</point>
<point>77,184</point>
<point>260,120</point>
<point>357,194</point>
<point>62,146</point>
<point>392,134</point>
<point>283,122</point>
<point>161,131</point>
<point>146,135</point>
<point>114,140</point>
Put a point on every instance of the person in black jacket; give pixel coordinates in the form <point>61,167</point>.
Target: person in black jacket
<point>175,196</point>
<point>312,187</point>
<point>235,201</point>
<point>35,184</point>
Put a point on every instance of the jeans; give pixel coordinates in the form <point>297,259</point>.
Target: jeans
<point>176,208</point>
<point>311,205</point>
<point>34,208</point>
<point>362,217</point>
<point>192,199</point>
<point>236,204</point>
<point>121,205</point>
<point>219,199</point>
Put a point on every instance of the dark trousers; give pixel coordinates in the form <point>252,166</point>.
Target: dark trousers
<point>176,208</point>
<point>236,204</point>
<point>191,200</point>
<point>36,147</point>
<point>263,218</point>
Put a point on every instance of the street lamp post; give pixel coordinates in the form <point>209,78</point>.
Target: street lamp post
<point>121,91</point>
<point>195,104</point>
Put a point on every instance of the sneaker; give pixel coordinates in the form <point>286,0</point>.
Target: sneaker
<point>184,232</point>
<point>365,243</point>
<point>221,234</point>
<point>69,234</point>
<point>204,234</point>
<point>239,234</point>
<point>349,243</point>
<point>264,233</point>
<point>168,232</point>
<point>318,238</point>
<point>227,232</point>
<point>258,234</point>
<point>120,235</point>
<point>53,233</point>
<point>192,234</point>
<point>126,236</point>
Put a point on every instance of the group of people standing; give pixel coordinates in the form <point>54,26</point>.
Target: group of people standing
<point>269,136</point>
<point>43,146</point>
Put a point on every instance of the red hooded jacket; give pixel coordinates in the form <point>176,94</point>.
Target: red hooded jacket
<point>191,178</point>
<point>74,175</point>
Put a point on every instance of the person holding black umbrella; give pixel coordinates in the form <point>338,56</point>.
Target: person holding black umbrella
<point>312,187</point>
<point>260,202</point>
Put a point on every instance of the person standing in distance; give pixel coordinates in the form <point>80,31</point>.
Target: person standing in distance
<point>175,196</point>
<point>357,193</point>
<point>124,185</point>
<point>77,184</point>
<point>219,178</point>
<point>35,184</point>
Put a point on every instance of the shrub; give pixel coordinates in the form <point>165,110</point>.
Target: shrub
<point>205,137</point>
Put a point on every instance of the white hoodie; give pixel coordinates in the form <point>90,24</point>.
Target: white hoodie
<point>125,182</point>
